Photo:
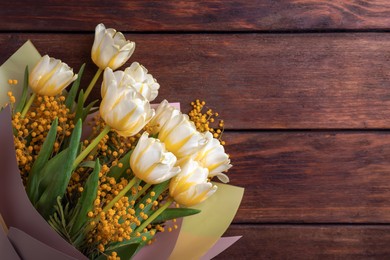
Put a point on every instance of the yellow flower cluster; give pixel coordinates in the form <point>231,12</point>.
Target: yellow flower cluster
<point>35,125</point>
<point>114,224</point>
<point>206,121</point>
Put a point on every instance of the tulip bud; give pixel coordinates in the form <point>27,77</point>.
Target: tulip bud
<point>143,82</point>
<point>123,109</point>
<point>213,157</point>
<point>151,162</point>
<point>164,113</point>
<point>50,76</point>
<point>190,186</point>
<point>181,137</point>
<point>110,48</point>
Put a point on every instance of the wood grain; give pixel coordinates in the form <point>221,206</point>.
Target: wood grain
<point>308,242</point>
<point>256,81</point>
<point>311,177</point>
<point>210,15</point>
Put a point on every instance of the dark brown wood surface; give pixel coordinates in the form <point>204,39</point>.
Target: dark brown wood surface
<point>258,81</point>
<point>193,15</point>
<point>310,242</point>
<point>304,88</point>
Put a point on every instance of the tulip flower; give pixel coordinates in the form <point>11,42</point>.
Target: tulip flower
<point>121,80</point>
<point>213,157</point>
<point>123,109</point>
<point>48,78</point>
<point>181,137</point>
<point>143,82</point>
<point>164,113</point>
<point>190,186</point>
<point>151,162</point>
<point>147,87</point>
<point>110,50</point>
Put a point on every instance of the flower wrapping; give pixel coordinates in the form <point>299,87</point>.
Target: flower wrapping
<point>25,230</point>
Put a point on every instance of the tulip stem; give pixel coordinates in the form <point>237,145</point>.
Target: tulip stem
<point>154,215</point>
<point>90,147</point>
<point>120,194</point>
<point>28,105</point>
<point>92,83</point>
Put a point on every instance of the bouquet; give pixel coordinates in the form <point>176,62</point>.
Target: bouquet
<point>114,181</point>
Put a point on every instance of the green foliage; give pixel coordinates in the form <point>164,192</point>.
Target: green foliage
<point>81,112</point>
<point>127,248</point>
<point>85,203</point>
<point>73,91</point>
<point>116,171</point>
<point>23,98</point>
<point>36,173</point>
<point>158,189</point>
<point>56,174</point>
<point>172,213</point>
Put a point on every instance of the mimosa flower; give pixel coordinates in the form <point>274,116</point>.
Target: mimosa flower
<point>181,137</point>
<point>151,162</point>
<point>190,186</point>
<point>143,82</point>
<point>110,48</point>
<point>213,157</point>
<point>123,109</point>
<point>164,113</point>
<point>50,76</point>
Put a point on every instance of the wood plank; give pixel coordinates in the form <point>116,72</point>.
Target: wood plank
<point>256,81</point>
<point>308,242</point>
<point>311,177</point>
<point>210,15</point>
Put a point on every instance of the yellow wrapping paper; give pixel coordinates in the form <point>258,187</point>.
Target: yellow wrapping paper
<point>13,68</point>
<point>200,232</point>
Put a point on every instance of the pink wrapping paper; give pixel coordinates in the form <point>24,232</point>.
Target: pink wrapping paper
<point>15,206</point>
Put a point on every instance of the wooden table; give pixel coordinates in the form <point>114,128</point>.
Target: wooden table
<point>304,88</point>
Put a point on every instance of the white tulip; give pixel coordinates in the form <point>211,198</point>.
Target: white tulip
<point>181,137</point>
<point>143,82</point>
<point>213,157</point>
<point>164,113</point>
<point>121,80</point>
<point>110,48</point>
<point>190,186</point>
<point>123,109</point>
<point>50,76</point>
<point>151,162</point>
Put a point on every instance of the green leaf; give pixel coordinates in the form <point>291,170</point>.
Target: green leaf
<point>86,110</point>
<point>125,252</point>
<point>158,189</point>
<point>117,172</point>
<point>89,164</point>
<point>80,105</point>
<point>35,175</point>
<point>73,91</point>
<point>132,240</point>
<point>172,213</point>
<point>56,175</point>
<point>85,203</point>
<point>23,98</point>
